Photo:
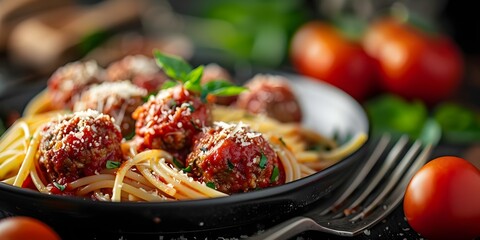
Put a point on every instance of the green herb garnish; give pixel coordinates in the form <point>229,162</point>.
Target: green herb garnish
<point>173,66</point>
<point>187,169</point>
<point>211,185</point>
<point>275,174</point>
<point>177,163</point>
<point>60,186</point>
<point>180,71</point>
<point>113,164</point>
<point>283,142</point>
<point>263,161</point>
<point>230,165</point>
<point>168,84</point>
<point>191,107</point>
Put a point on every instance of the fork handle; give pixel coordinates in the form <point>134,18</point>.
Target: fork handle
<point>287,229</point>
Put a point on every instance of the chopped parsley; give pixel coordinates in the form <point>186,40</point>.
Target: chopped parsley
<point>230,165</point>
<point>275,174</point>
<point>187,169</point>
<point>191,107</point>
<point>60,186</point>
<point>263,161</point>
<point>177,163</point>
<point>130,135</point>
<point>113,164</point>
<point>211,185</point>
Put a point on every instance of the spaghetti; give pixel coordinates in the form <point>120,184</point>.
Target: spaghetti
<point>183,149</point>
<point>151,175</point>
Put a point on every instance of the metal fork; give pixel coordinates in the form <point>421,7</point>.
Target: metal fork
<point>373,193</point>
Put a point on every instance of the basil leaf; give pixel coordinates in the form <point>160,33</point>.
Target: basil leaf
<point>193,80</point>
<point>390,113</point>
<point>217,84</point>
<point>169,84</point>
<point>228,91</point>
<point>173,66</point>
<point>113,164</point>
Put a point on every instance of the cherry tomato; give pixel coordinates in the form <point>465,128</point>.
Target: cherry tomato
<point>320,51</point>
<point>19,228</point>
<point>442,201</point>
<point>412,63</point>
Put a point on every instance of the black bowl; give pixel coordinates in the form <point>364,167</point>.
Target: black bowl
<point>326,110</point>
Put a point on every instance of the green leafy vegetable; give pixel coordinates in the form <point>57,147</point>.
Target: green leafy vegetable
<point>192,82</point>
<point>60,186</point>
<point>263,161</point>
<point>187,169</point>
<point>191,107</point>
<point>92,40</point>
<point>168,84</point>
<point>177,163</point>
<point>230,165</point>
<point>113,164</point>
<point>389,113</point>
<point>180,71</point>
<point>173,66</point>
<point>210,185</point>
<point>275,174</point>
<point>459,124</point>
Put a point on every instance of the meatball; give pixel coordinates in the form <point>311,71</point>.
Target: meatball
<point>78,145</point>
<point>67,82</point>
<point>270,95</point>
<point>141,70</point>
<point>214,72</point>
<point>117,99</point>
<point>235,159</point>
<point>170,120</point>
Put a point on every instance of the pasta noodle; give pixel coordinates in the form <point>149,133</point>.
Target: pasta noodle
<point>152,175</point>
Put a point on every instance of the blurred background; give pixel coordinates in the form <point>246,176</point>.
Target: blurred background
<point>413,65</point>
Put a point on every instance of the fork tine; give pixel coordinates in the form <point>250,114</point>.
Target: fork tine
<point>387,164</point>
<point>396,196</point>
<point>371,161</point>
<point>404,170</point>
<point>393,179</point>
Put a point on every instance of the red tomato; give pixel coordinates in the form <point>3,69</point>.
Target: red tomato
<point>442,201</point>
<point>412,63</point>
<point>320,51</point>
<point>20,228</point>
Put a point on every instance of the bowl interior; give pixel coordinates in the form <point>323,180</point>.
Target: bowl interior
<point>326,110</point>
